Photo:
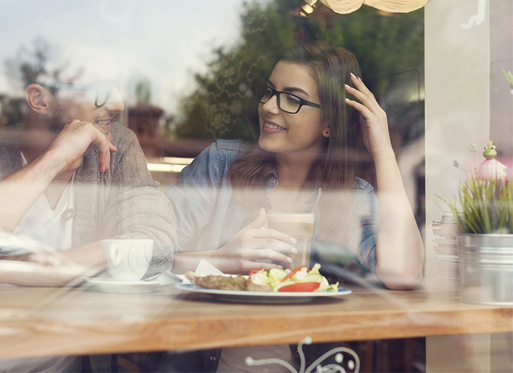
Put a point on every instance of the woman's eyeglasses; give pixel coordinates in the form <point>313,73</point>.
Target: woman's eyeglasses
<point>287,102</point>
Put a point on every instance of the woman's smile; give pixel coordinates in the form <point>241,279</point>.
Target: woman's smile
<point>271,127</point>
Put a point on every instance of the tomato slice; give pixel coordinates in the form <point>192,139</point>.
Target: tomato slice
<point>253,271</point>
<point>300,287</point>
<point>292,273</point>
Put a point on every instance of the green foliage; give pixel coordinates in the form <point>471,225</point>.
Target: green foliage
<point>143,90</point>
<point>483,206</point>
<point>384,45</point>
<point>217,107</point>
<point>509,77</point>
<point>29,64</point>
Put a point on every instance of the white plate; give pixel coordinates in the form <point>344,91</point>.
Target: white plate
<point>261,296</point>
<point>109,285</point>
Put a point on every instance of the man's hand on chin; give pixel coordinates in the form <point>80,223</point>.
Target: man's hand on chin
<point>76,141</point>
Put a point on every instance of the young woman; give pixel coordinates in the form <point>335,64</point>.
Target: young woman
<point>314,118</point>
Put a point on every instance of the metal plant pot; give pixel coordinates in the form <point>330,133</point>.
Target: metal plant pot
<point>486,268</point>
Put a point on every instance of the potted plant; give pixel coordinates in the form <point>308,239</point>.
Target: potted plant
<point>483,210</point>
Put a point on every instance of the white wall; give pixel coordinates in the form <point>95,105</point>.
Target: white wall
<point>501,59</point>
<point>457,88</point>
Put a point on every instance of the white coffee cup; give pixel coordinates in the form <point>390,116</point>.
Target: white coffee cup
<point>301,227</point>
<point>127,259</point>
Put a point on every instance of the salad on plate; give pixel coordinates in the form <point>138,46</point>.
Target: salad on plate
<point>300,279</point>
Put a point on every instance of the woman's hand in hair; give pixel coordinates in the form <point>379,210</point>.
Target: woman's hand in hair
<point>375,131</point>
<point>255,242</point>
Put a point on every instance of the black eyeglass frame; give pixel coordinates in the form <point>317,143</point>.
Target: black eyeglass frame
<point>302,101</point>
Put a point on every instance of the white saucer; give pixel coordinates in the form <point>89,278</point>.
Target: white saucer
<point>110,285</point>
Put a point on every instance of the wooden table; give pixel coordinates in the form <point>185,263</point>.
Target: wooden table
<point>50,321</point>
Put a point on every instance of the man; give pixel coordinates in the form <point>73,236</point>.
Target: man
<point>70,175</point>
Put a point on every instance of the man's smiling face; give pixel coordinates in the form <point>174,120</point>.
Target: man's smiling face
<point>86,89</point>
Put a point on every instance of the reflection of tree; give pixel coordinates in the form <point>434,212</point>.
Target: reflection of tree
<point>143,91</point>
<point>385,45</point>
<point>10,110</point>
<point>215,109</point>
<point>27,66</point>
<point>29,63</point>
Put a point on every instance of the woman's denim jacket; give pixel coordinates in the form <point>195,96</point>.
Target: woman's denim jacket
<point>208,215</point>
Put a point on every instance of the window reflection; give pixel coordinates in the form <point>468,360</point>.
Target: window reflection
<point>189,77</point>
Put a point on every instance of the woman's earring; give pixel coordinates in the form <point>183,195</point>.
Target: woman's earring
<point>326,131</point>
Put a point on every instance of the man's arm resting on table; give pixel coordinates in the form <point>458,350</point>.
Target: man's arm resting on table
<point>62,268</point>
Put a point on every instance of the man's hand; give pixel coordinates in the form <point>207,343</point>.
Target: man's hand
<point>75,141</point>
<point>65,154</point>
<point>59,268</point>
